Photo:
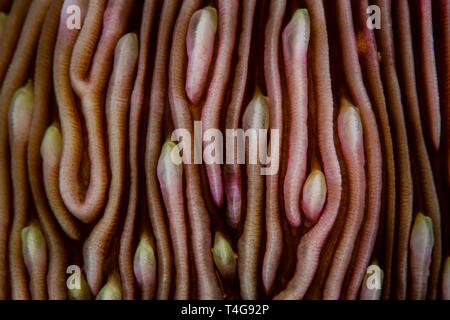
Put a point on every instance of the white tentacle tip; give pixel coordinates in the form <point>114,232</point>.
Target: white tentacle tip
<point>34,248</point>
<point>144,263</point>
<point>112,290</point>
<point>224,256</point>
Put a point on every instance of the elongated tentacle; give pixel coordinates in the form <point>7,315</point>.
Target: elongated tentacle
<point>14,78</point>
<point>135,123</point>
<point>154,131</point>
<point>208,286</point>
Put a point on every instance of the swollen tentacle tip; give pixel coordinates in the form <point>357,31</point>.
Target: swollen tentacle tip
<point>446,280</point>
<point>169,163</point>
<point>34,248</point>
<point>224,257</point>
<point>144,264</point>
<point>422,236</point>
<point>372,285</point>
<point>21,112</point>
<point>421,249</point>
<point>314,196</point>
<point>112,290</point>
<point>51,146</point>
<point>81,291</point>
<point>256,115</point>
<point>200,43</point>
<point>128,47</point>
<point>296,35</point>
<point>350,130</point>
